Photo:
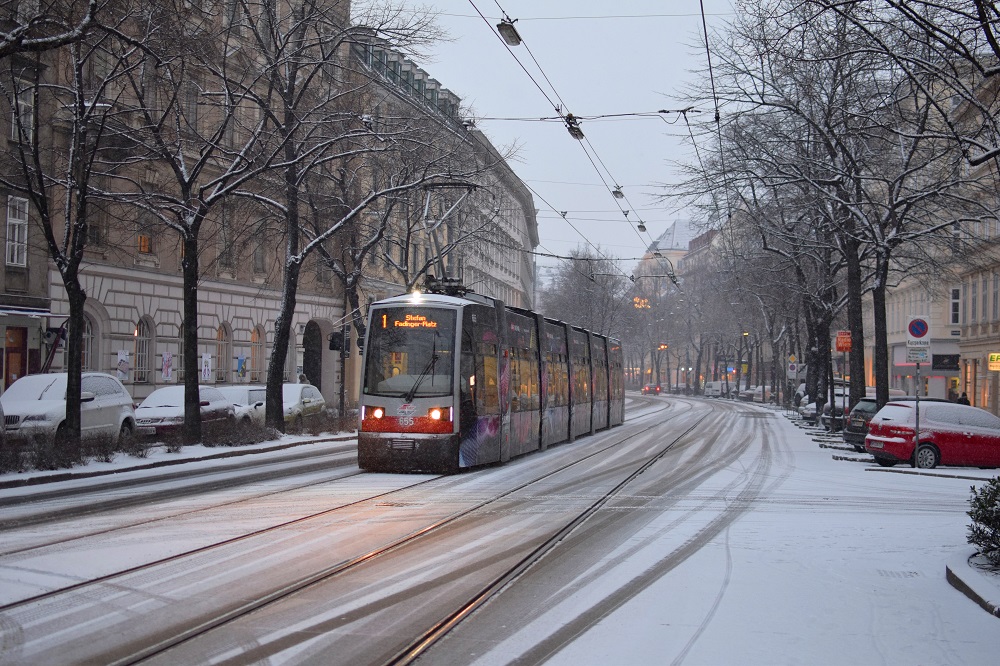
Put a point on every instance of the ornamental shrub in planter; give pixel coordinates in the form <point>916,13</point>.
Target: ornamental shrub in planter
<point>984,532</point>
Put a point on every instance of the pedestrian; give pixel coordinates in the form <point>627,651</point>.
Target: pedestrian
<point>963,399</point>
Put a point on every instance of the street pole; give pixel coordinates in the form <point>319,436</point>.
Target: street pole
<point>916,431</point>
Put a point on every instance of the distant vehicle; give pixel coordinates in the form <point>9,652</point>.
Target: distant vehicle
<point>833,419</point>
<point>857,421</point>
<point>761,394</point>
<point>34,407</point>
<point>161,414</point>
<point>248,402</point>
<point>303,403</point>
<point>651,389</point>
<point>950,434</point>
<point>715,389</point>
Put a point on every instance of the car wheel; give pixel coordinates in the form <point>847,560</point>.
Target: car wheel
<point>62,435</point>
<point>927,457</point>
<point>885,462</point>
<point>125,434</point>
<point>859,448</point>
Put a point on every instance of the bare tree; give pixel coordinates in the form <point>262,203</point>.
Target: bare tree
<point>34,27</point>
<point>67,140</point>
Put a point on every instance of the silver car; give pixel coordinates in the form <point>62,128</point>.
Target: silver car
<point>248,401</point>
<point>34,407</point>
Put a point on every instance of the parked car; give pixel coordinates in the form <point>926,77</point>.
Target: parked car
<point>950,434</point>
<point>303,404</point>
<point>857,421</point>
<point>34,407</point>
<point>248,402</point>
<point>161,414</point>
<point>651,389</point>
<point>808,411</point>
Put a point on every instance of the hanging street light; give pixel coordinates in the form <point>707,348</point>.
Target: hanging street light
<point>509,32</point>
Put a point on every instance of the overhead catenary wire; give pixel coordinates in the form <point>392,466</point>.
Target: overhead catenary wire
<point>572,122</point>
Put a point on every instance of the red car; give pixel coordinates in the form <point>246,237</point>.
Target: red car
<point>651,389</point>
<point>950,434</point>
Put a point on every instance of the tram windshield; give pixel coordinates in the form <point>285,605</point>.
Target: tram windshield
<point>411,352</point>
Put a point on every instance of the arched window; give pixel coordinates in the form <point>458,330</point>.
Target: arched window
<point>223,353</point>
<point>88,351</point>
<point>256,354</point>
<point>143,351</point>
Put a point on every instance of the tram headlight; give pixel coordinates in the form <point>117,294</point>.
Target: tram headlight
<point>375,412</point>
<point>439,413</point>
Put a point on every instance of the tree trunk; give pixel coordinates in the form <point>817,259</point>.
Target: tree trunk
<point>192,396</point>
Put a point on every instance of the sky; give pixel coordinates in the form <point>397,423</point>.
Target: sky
<point>594,58</point>
<point>835,562</point>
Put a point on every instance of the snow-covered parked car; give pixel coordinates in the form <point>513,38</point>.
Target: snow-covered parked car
<point>161,414</point>
<point>248,402</point>
<point>303,404</point>
<point>34,407</point>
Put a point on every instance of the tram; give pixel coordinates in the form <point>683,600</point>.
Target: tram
<point>455,381</point>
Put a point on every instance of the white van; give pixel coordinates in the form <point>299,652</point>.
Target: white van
<point>715,389</point>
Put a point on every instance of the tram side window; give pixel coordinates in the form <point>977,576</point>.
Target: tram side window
<point>516,396</point>
<point>533,396</point>
<point>487,391</point>
<point>581,382</point>
<point>558,395</point>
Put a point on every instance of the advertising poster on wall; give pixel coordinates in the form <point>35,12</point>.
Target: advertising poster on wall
<point>206,367</point>
<point>168,367</point>
<point>123,365</point>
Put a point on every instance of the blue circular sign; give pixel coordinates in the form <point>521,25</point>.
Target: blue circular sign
<point>918,328</point>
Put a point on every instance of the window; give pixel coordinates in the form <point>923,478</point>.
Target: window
<point>17,231</point>
<point>226,239</point>
<point>190,100</point>
<point>996,296</point>
<point>234,18</point>
<point>974,301</point>
<point>223,353</point>
<point>145,235</point>
<point>956,299</point>
<point>985,297</point>
<point>143,346</point>
<point>23,114</point>
<point>256,354</point>
<point>87,352</point>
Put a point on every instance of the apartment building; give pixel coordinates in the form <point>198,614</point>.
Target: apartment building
<point>132,265</point>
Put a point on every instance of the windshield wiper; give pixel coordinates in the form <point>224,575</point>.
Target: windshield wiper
<point>423,373</point>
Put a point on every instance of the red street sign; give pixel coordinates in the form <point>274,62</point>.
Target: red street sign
<point>843,341</point>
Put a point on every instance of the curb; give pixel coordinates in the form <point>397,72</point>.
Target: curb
<point>232,453</point>
<point>963,587</point>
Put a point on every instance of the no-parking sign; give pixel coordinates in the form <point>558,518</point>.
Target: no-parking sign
<point>918,333</point>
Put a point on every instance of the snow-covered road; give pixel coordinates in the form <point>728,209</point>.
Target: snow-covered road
<point>744,543</point>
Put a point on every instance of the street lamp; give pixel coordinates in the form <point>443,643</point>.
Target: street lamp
<point>509,32</point>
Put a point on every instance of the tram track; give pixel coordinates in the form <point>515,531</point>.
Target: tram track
<point>614,438</point>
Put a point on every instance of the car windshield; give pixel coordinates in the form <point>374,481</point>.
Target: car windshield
<point>865,407</point>
<point>37,387</point>
<point>410,352</point>
<point>172,396</point>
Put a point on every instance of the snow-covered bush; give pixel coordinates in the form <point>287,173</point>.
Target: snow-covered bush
<point>984,532</point>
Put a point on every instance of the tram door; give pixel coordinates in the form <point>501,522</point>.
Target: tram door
<point>480,389</point>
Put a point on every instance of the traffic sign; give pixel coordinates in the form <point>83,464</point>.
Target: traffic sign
<point>918,333</point>
<point>917,355</point>
<point>843,341</point>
